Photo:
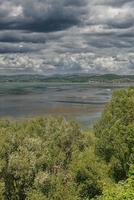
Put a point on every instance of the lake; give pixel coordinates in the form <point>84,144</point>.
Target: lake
<point>81,102</point>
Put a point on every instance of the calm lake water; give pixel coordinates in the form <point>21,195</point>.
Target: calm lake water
<point>81,102</point>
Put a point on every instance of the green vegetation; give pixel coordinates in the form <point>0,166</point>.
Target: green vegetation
<point>38,161</point>
<point>115,133</point>
<point>53,159</point>
<point>76,78</point>
<point>122,190</point>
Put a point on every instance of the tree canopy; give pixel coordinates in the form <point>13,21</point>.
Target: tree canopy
<point>115,133</point>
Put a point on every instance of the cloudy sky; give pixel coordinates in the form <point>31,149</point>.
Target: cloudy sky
<point>66,36</point>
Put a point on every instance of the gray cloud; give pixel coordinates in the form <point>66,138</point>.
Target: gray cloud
<point>66,36</point>
<point>41,16</point>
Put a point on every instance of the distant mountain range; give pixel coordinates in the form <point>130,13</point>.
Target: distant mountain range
<point>76,78</point>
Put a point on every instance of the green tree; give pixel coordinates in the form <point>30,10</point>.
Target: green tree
<point>115,133</point>
<point>34,156</point>
<point>122,190</point>
<point>89,173</point>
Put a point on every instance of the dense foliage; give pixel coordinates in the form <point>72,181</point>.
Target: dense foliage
<point>121,191</point>
<point>53,159</point>
<point>47,159</point>
<point>115,132</point>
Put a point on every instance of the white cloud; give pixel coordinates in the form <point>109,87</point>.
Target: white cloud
<point>68,63</point>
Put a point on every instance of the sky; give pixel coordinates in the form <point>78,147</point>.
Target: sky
<point>66,36</point>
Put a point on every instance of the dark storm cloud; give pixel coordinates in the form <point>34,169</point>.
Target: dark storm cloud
<point>17,36</point>
<point>41,16</point>
<point>49,25</point>
<point>4,49</point>
<point>114,3</point>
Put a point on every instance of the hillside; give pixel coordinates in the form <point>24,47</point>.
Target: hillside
<point>84,78</point>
